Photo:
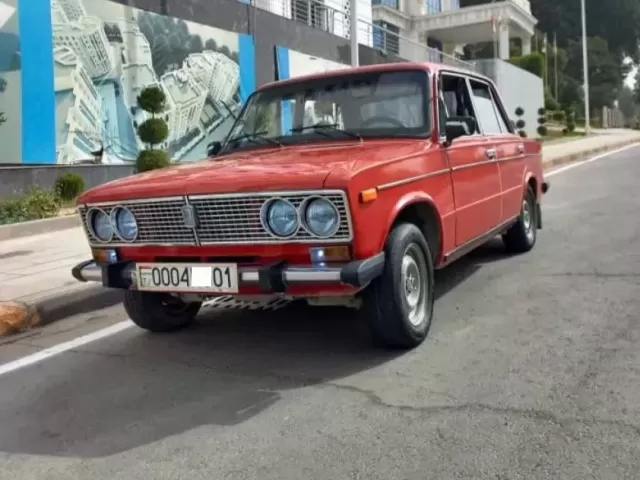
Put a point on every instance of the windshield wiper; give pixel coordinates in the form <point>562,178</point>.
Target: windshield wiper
<point>255,138</point>
<point>326,126</point>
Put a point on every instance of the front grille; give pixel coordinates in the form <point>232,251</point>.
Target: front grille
<point>222,220</point>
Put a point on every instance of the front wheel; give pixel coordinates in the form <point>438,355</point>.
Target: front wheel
<point>399,304</point>
<point>159,312</point>
<point>521,237</point>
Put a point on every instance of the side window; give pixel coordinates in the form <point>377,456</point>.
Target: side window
<point>505,122</point>
<point>454,96</point>
<point>487,112</point>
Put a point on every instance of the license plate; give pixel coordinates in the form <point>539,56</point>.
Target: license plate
<point>181,277</point>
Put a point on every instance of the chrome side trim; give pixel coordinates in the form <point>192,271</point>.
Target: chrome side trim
<point>417,178</point>
<point>472,165</point>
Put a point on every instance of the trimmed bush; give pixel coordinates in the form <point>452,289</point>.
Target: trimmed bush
<point>541,111</point>
<point>152,100</point>
<point>153,131</point>
<point>550,103</point>
<point>522,133</point>
<point>152,160</point>
<point>565,131</point>
<point>69,186</point>
<point>519,112</point>
<point>542,120</point>
<point>571,126</point>
<point>520,124</point>
<point>36,205</point>
<point>533,63</point>
<point>542,130</point>
<point>559,115</point>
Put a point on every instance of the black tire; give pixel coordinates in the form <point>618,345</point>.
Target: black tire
<point>159,312</point>
<point>521,237</point>
<point>385,303</point>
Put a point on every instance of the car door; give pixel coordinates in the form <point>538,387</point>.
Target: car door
<point>511,159</point>
<point>474,169</point>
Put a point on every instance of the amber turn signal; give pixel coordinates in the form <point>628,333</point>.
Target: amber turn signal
<point>369,195</point>
<point>102,255</point>
<point>330,254</point>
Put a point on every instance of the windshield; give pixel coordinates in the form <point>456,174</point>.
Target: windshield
<point>366,105</point>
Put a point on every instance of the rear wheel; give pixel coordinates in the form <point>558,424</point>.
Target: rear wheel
<point>521,237</point>
<point>159,312</point>
<point>399,304</point>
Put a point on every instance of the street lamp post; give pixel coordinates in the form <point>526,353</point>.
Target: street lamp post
<point>585,67</point>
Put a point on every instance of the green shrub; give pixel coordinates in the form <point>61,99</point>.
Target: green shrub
<point>153,131</point>
<point>152,100</point>
<point>519,112</point>
<point>571,126</point>
<point>636,125</point>
<point>559,115</point>
<point>37,204</point>
<point>152,160</point>
<point>550,103</point>
<point>542,120</point>
<point>522,133</point>
<point>69,186</point>
<point>541,111</point>
<point>520,124</point>
<point>565,131</point>
<point>533,63</point>
<point>542,130</point>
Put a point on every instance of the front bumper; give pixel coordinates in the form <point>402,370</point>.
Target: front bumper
<point>274,278</point>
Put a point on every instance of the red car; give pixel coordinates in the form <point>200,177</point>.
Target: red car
<point>345,188</point>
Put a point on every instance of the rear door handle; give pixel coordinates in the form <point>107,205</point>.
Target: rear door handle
<point>491,153</point>
<point>520,148</point>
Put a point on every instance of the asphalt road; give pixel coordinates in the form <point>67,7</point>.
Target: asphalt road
<point>532,370</point>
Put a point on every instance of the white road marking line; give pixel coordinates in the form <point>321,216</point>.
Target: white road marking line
<point>589,160</point>
<point>122,326</point>
<point>64,347</point>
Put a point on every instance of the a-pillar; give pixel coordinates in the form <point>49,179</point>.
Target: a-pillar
<point>503,41</point>
<point>526,45</point>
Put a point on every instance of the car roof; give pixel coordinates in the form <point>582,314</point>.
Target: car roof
<point>382,67</point>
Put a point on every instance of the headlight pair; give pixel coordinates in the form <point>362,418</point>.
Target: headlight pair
<point>121,223</point>
<point>318,215</point>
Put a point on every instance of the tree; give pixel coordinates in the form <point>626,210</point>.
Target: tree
<point>211,44</point>
<point>195,44</point>
<point>152,131</point>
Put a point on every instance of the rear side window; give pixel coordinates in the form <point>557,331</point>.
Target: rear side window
<point>487,112</point>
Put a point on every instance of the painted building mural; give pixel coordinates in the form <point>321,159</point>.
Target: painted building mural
<point>10,83</point>
<point>105,53</point>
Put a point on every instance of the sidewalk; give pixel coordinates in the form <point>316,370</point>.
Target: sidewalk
<point>36,269</point>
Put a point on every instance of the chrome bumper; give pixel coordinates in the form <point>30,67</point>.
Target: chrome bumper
<point>270,278</point>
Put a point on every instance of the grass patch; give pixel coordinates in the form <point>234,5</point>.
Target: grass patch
<point>35,205</point>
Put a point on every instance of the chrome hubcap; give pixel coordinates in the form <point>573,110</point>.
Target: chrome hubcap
<point>527,219</point>
<point>413,284</point>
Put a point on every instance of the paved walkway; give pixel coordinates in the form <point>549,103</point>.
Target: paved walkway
<point>37,269</point>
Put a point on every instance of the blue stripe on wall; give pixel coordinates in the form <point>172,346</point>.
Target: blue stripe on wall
<point>38,96</point>
<point>247,62</point>
<point>282,72</point>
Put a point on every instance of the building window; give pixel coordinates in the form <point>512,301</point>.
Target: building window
<point>432,6</point>
<point>313,13</point>
<point>386,36</point>
<point>387,3</point>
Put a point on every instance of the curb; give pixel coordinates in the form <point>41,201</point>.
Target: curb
<point>28,313</point>
<point>585,154</point>
<point>35,227</point>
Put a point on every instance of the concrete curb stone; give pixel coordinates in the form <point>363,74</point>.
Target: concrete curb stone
<point>35,227</point>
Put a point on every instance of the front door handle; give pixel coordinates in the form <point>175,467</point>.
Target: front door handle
<point>520,148</point>
<point>491,153</point>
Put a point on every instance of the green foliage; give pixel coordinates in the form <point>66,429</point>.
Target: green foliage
<point>550,103</point>
<point>37,204</point>
<point>542,120</point>
<point>519,111</point>
<point>542,111</point>
<point>69,186</point>
<point>559,115</point>
<point>571,126</point>
<point>522,133</point>
<point>153,131</point>
<point>152,99</point>
<point>542,130</point>
<point>636,125</point>
<point>152,160</point>
<point>520,124</point>
<point>534,63</point>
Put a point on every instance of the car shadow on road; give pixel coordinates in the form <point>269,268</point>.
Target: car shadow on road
<point>135,389</point>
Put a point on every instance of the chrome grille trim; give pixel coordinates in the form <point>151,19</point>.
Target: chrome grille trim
<point>224,219</point>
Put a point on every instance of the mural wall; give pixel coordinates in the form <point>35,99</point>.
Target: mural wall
<point>291,63</point>
<point>10,83</point>
<point>105,53</point>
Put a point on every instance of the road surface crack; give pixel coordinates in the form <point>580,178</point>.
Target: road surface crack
<point>533,414</point>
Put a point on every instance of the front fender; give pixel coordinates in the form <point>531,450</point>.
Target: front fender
<point>408,199</point>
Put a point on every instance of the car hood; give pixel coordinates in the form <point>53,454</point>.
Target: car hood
<point>287,168</point>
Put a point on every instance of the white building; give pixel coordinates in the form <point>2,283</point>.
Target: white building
<point>78,108</point>
<point>87,39</point>
<point>136,49</point>
<point>136,77</point>
<point>444,26</point>
<point>73,9</point>
<point>185,100</point>
<point>216,72</point>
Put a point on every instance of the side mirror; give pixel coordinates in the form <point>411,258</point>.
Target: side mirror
<point>458,127</point>
<point>214,148</point>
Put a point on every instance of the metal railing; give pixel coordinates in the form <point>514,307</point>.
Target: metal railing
<point>333,16</point>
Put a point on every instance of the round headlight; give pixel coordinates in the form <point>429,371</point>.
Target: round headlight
<point>99,224</point>
<point>125,223</point>
<point>282,218</point>
<point>321,217</point>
